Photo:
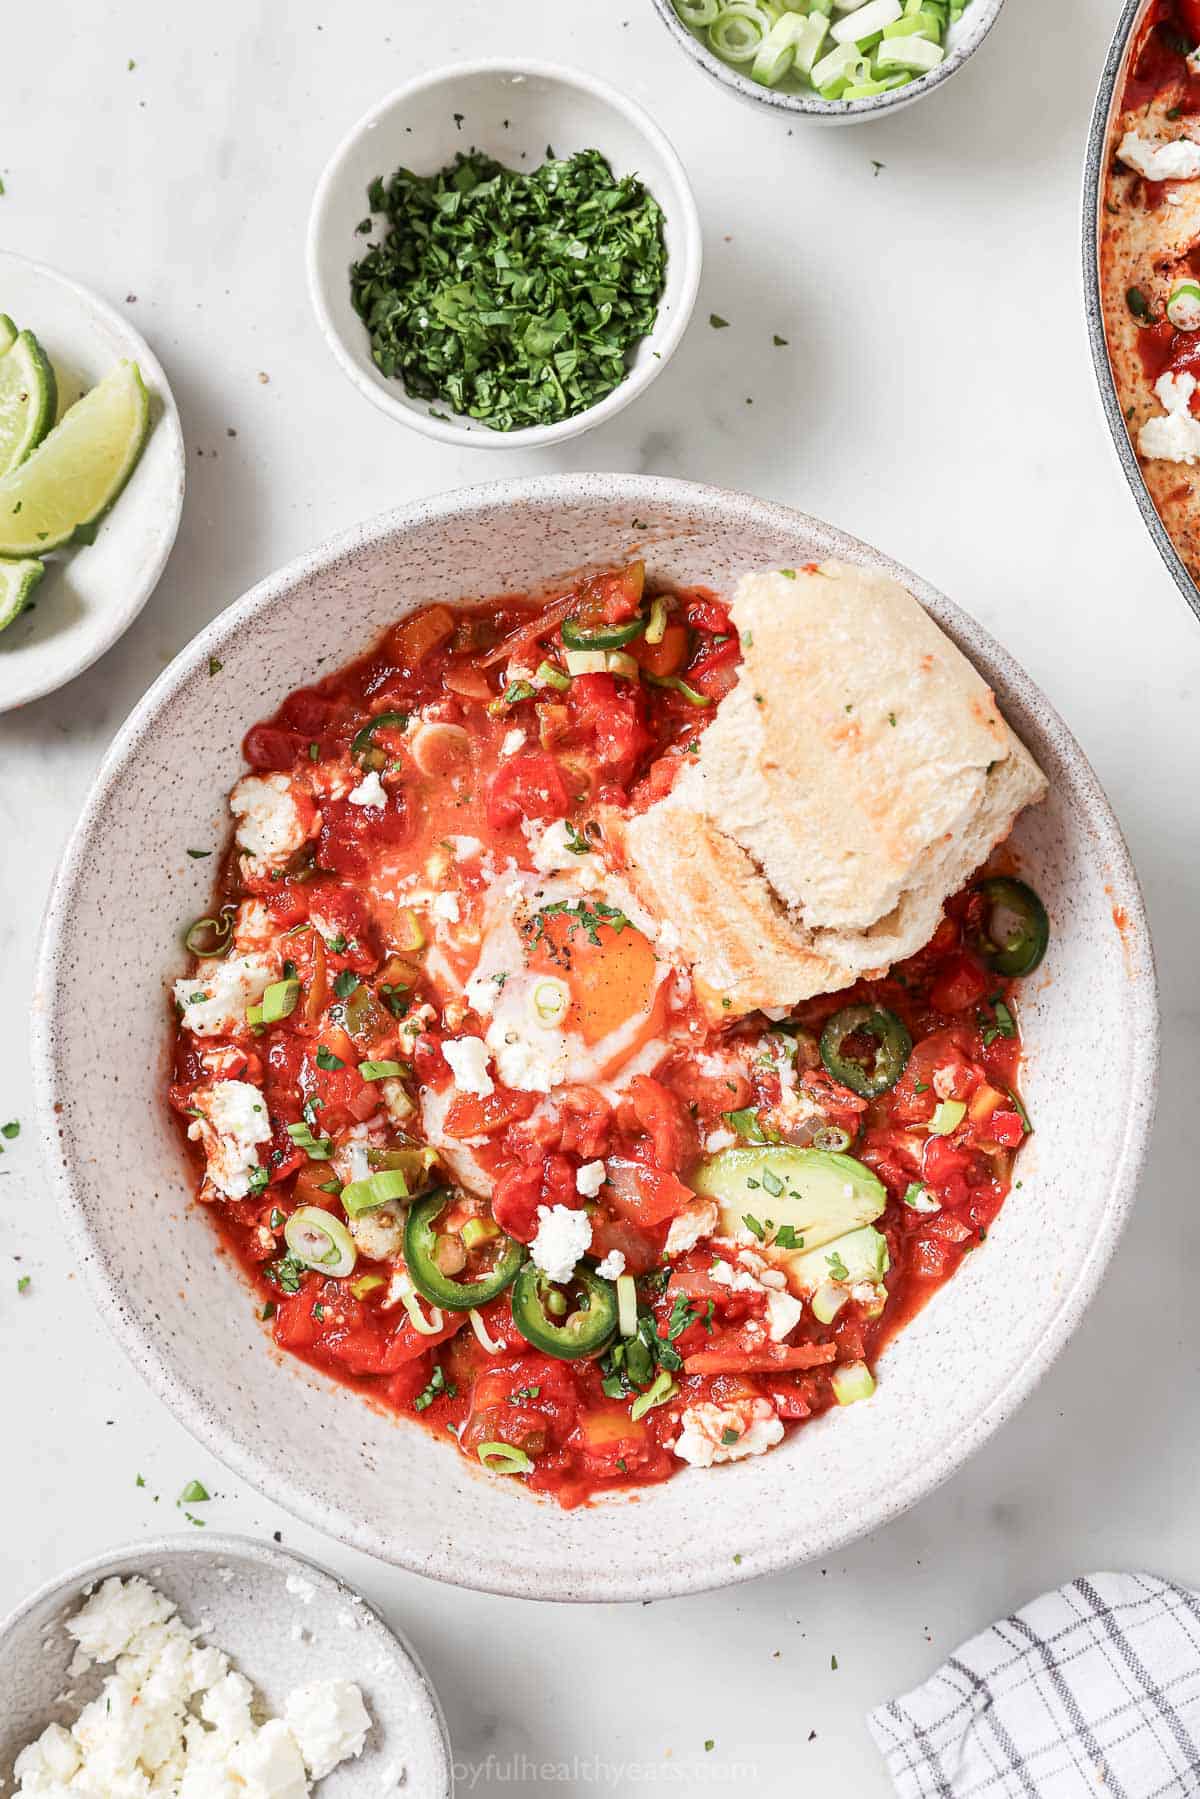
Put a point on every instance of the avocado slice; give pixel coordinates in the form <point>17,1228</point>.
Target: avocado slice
<point>820,1193</point>
<point>860,1255</point>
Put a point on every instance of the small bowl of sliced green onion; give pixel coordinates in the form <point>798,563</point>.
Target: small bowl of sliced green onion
<point>835,60</point>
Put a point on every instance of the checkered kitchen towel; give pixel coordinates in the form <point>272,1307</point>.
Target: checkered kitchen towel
<point>1093,1690</point>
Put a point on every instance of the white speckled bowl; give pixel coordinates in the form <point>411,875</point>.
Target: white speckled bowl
<point>962,41</point>
<point>513,109</point>
<point>126,887</point>
<point>281,1619</point>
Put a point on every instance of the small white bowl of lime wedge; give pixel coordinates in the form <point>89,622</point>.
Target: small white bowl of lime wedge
<point>89,506</point>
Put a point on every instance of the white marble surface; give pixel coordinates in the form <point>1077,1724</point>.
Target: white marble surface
<point>936,398</point>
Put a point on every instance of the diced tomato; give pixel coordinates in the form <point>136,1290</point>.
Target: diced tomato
<point>349,833</point>
<point>526,786</point>
<point>945,1170</point>
<point>1006,1129</point>
<point>611,599</point>
<point>715,670</point>
<point>1189,18</point>
<point>609,717</point>
<point>344,911</point>
<point>962,983</point>
<point>940,1067</point>
<point>663,1117</point>
<point>307,711</point>
<point>739,1353</point>
<point>585,1120</point>
<point>639,1249</point>
<point>515,1200</point>
<point>706,613</point>
<point>666,657</point>
<point>645,1195</point>
<point>469,1116</point>
<point>269,746</point>
<point>416,636</point>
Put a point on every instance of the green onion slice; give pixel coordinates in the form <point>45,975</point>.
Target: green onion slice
<point>698,13</point>
<point>549,676</point>
<point>947,1116</point>
<point>677,685</point>
<point>211,937</point>
<point>381,1071</point>
<point>664,1388</point>
<point>737,31</point>
<point>1183,308</point>
<point>319,1149</point>
<point>657,627</point>
<point>320,1241</point>
<point>374,1190</point>
<point>627,1319</point>
<point>502,1458</point>
<point>279,1000</point>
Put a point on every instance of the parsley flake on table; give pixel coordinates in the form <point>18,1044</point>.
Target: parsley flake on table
<point>512,296</point>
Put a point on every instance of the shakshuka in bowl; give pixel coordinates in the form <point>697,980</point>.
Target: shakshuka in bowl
<point>594,953</point>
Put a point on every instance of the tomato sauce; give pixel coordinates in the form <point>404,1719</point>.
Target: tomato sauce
<point>418,783</point>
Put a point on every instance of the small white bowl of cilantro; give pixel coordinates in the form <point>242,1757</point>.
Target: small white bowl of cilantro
<point>504,254</point>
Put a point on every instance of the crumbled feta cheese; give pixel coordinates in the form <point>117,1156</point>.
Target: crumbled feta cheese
<point>1156,159</point>
<point>233,1122</point>
<point>689,1226</point>
<point>396,1101</point>
<point>214,999</point>
<point>254,928</point>
<point>563,1235</point>
<point>550,847</point>
<point>466,848</point>
<point>468,1059</point>
<point>270,825</point>
<point>1173,436</point>
<point>520,1063</point>
<point>269,1764</point>
<point>612,1265</point>
<point>369,792</point>
<point>717,1140</point>
<point>514,740</point>
<point>172,1719</point>
<point>349,1160</point>
<point>590,1178</point>
<point>726,1433</point>
<point>329,1722</point>
<point>784,1312</point>
<point>446,907</point>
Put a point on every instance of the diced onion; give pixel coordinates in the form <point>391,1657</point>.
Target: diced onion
<point>585,662</point>
<point>851,1382</point>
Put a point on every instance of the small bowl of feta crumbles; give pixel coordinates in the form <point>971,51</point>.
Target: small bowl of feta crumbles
<point>192,1669</point>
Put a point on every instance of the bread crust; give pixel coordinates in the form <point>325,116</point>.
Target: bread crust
<point>857,775</point>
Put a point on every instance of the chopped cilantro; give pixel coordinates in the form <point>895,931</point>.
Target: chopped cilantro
<point>193,1494</point>
<point>512,296</point>
<point>327,1060</point>
<point>345,983</point>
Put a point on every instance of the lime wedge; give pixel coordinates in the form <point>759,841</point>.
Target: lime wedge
<point>17,582</point>
<point>8,333</point>
<point>73,477</point>
<point>28,398</point>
